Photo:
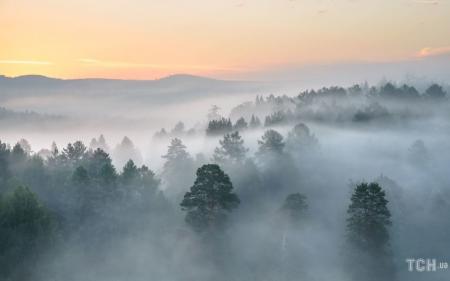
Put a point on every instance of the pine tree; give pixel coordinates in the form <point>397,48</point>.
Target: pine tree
<point>231,150</point>
<point>130,172</point>
<point>368,235</point>
<point>271,143</point>
<point>369,217</point>
<point>209,199</point>
<point>75,152</point>
<point>96,161</point>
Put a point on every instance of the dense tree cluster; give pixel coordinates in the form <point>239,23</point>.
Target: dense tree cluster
<point>359,103</point>
<point>219,127</point>
<point>74,195</point>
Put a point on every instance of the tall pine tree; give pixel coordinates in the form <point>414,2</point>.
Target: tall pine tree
<point>368,234</point>
<point>209,199</point>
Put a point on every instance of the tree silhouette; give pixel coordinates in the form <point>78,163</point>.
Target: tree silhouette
<point>74,152</point>
<point>368,235</point>
<point>130,172</point>
<point>209,199</point>
<point>219,126</point>
<point>26,230</point>
<point>435,92</point>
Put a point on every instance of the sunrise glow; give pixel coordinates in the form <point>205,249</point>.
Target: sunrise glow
<point>226,39</point>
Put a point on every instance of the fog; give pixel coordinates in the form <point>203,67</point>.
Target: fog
<point>333,139</point>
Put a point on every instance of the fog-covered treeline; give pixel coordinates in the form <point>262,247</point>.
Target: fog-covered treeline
<point>353,106</point>
<point>334,184</point>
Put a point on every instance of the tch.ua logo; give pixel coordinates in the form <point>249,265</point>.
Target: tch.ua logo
<point>425,265</point>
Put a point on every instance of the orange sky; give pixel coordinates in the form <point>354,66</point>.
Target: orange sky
<point>141,39</point>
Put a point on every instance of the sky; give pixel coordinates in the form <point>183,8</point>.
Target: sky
<point>230,39</point>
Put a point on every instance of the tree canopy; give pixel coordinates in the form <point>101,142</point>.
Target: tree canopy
<point>209,199</point>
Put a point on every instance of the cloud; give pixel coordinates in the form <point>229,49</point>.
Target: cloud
<point>429,51</point>
<point>427,2</point>
<point>35,62</point>
<point>322,11</point>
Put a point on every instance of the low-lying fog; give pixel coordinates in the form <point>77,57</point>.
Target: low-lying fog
<point>355,135</point>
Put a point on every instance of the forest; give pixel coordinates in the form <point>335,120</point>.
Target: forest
<point>331,184</point>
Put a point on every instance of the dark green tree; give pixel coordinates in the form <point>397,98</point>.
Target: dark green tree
<point>130,173</point>
<point>369,217</point>
<point>108,175</point>
<point>96,160</point>
<point>368,236</point>
<point>209,199</point>
<point>5,172</point>
<point>26,231</point>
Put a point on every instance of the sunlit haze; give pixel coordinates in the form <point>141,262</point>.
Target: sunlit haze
<point>236,39</point>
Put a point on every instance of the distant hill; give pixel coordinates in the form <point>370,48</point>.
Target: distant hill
<point>46,85</point>
<point>45,94</point>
